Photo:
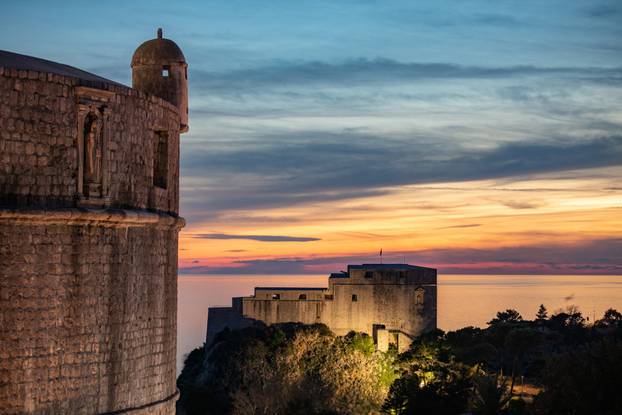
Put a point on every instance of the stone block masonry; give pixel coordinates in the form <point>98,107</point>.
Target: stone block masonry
<point>88,321</point>
<point>89,203</point>
<point>39,154</point>
<point>394,303</point>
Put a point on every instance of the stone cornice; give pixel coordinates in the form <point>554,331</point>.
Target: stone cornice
<point>93,93</point>
<point>82,216</point>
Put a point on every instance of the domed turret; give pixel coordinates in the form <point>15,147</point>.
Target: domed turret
<point>159,68</point>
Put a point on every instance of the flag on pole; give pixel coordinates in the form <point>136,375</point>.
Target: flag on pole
<point>381,255</point>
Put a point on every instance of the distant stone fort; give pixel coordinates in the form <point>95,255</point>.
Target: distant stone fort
<point>394,303</point>
<point>89,202</point>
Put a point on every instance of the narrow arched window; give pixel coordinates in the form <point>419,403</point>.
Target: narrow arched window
<point>160,159</point>
<point>419,296</point>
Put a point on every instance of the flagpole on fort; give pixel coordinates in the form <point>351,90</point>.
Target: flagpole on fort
<point>381,255</point>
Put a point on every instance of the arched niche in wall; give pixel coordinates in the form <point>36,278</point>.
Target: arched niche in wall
<point>162,168</point>
<point>92,146</point>
<point>419,297</point>
<point>92,155</point>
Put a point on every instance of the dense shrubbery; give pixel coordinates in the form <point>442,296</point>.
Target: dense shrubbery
<point>285,369</point>
<point>295,369</point>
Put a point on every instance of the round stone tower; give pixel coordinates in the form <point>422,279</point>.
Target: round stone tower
<point>159,68</point>
<point>89,203</point>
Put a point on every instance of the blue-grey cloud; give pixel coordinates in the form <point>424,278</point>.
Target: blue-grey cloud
<point>371,72</point>
<point>317,159</point>
<point>345,166</point>
<point>303,166</point>
<point>260,238</point>
<point>485,31</point>
<point>208,204</point>
<point>603,10</point>
<point>504,20</point>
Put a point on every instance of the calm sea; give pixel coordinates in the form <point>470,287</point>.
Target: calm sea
<point>463,300</point>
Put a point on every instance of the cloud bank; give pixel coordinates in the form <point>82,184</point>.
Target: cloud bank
<point>260,238</point>
<point>325,167</point>
<point>377,72</point>
<point>600,256</point>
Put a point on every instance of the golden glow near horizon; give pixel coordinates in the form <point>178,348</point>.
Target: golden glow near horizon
<point>306,167</point>
<point>554,209</point>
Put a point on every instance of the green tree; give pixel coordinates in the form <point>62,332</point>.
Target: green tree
<point>569,317</point>
<point>584,381</point>
<point>542,313</point>
<point>362,342</point>
<point>470,346</point>
<point>508,316</point>
<point>518,343</point>
<point>611,318</point>
<point>491,395</point>
<point>286,369</point>
<point>430,388</point>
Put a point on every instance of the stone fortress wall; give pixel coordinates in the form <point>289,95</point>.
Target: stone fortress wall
<point>89,201</point>
<point>394,303</point>
<point>40,115</point>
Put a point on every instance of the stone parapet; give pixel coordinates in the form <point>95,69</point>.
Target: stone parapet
<point>66,143</point>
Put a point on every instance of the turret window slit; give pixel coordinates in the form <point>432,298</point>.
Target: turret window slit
<point>160,162</point>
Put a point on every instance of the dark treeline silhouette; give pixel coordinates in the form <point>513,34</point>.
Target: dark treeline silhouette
<point>555,364</point>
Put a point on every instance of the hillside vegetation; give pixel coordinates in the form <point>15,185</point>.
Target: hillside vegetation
<point>549,365</point>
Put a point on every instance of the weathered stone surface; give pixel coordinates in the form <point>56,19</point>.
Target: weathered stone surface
<point>393,303</point>
<point>88,269</point>
<point>39,143</point>
<point>159,68</point>
<point>88,317</point>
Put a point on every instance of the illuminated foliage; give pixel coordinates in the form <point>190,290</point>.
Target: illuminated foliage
<point>285,369</point>
<point>299,369</point>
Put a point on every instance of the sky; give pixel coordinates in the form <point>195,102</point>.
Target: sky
<point>471,136</point>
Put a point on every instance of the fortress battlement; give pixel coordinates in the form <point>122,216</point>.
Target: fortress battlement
<point>89,204</point>
<point>394,303</point>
